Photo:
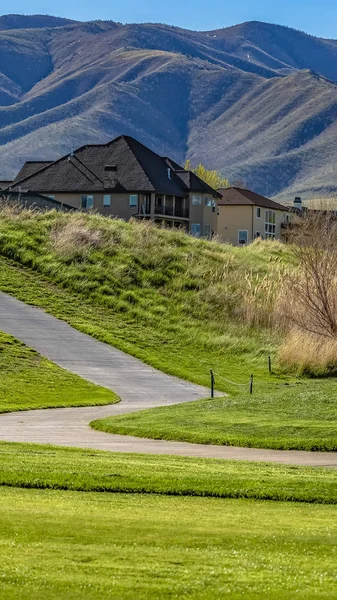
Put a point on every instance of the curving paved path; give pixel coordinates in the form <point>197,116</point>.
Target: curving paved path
<point>139,386</point>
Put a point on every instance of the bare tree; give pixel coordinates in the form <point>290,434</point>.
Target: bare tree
<point>312,296</point>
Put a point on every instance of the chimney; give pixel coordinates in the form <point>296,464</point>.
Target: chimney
<point>298,203</point>
<point>110,176</point>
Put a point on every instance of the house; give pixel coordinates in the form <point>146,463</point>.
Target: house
<point>244,216</point>
<point>124,178</point>
<point>32,200</point>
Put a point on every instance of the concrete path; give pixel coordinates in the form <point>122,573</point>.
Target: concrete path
<point>139,386</point>
<point>135,382</point>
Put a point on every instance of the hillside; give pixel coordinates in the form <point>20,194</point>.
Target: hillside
<point>256,101</point>
<point>184,306</point>
<point>178,303</point>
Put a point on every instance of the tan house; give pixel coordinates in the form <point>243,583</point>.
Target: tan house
<point>244,216</point>
<point>124,178</point>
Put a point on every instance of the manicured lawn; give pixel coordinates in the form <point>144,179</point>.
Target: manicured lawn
<point>301,415</point>
<point>70,545</point>
<point>29,381</point>
<point>34,466</point>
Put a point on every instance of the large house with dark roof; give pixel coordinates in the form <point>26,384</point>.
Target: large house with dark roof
<point>244,216</point>
<point>124,178</point>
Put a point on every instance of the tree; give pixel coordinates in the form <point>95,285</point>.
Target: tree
<point>212,178</point>
<point>312,291</point>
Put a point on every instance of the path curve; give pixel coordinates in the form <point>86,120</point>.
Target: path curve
<point>139,386</point>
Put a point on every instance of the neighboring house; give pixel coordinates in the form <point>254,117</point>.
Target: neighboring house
<point>124,178</point>
<point>32,200</point>
<point>244,216</point>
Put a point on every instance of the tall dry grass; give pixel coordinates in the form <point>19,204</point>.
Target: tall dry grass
<point>309,354</point>
<point>74,239</point>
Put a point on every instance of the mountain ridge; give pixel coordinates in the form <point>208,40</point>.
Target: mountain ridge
<point>256,101</point>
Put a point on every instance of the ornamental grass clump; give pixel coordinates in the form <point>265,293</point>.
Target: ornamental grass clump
<point>74,239</point>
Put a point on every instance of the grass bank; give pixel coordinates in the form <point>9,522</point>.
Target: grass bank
<point>30,381</point>
<point>68,545</point>
<point>180,304</point>
<point>292,416</point>
<point>47,467</point>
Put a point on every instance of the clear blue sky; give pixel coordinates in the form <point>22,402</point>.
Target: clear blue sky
<point>312,16</point>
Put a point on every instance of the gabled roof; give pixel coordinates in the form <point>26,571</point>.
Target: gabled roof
<point>136,169</point>
<point>30,167</point>
<point>5,183</point>
<point>235,196</point>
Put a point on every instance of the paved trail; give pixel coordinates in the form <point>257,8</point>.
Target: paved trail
<point>139,386</point>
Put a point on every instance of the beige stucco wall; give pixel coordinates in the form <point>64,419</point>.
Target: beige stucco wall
<point>231,219</point>
<point>204,215</point>
<point>119,204</point>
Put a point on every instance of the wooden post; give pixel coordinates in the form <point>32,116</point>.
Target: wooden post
<point>269,364</point>
<point>212,384</point>
<point>251,384</point>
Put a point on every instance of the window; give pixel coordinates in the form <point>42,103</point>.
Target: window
<point>196,200</point>
<point>258,212</point>
<point>196,229</point>
<point>106,200</point>
<point>207,231</point>
<point>270,224</point>
<point>133,200</point>
<point>87,201</point>
<point>208,201</point>
<point>243,237</point>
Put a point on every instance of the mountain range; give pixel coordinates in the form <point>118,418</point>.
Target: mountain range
<point>256,101</point>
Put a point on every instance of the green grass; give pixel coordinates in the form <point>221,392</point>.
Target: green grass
<point>68,545</point>
<point>30,381</point>
<point>299,416</point>
<point>47,467</point>
<point>175,302</point>
<point>180,304</point>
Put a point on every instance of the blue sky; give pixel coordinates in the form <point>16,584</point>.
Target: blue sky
<point>318,18</point>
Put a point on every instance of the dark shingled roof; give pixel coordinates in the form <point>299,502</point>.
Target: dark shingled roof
<point>234,196</point>
<point>190,179</point>
<point>5,184</point>
<point>138,169</point>
<point>30,167</point>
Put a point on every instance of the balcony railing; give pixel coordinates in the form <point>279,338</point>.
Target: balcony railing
<point>182,212</point>
<point>170,211</point>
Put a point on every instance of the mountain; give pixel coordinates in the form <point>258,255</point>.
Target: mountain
<point>256,101</point>
<point>31,22</point>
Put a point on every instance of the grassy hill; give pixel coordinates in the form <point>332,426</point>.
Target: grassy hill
<point>182,304</point>
<point>256,101</point>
